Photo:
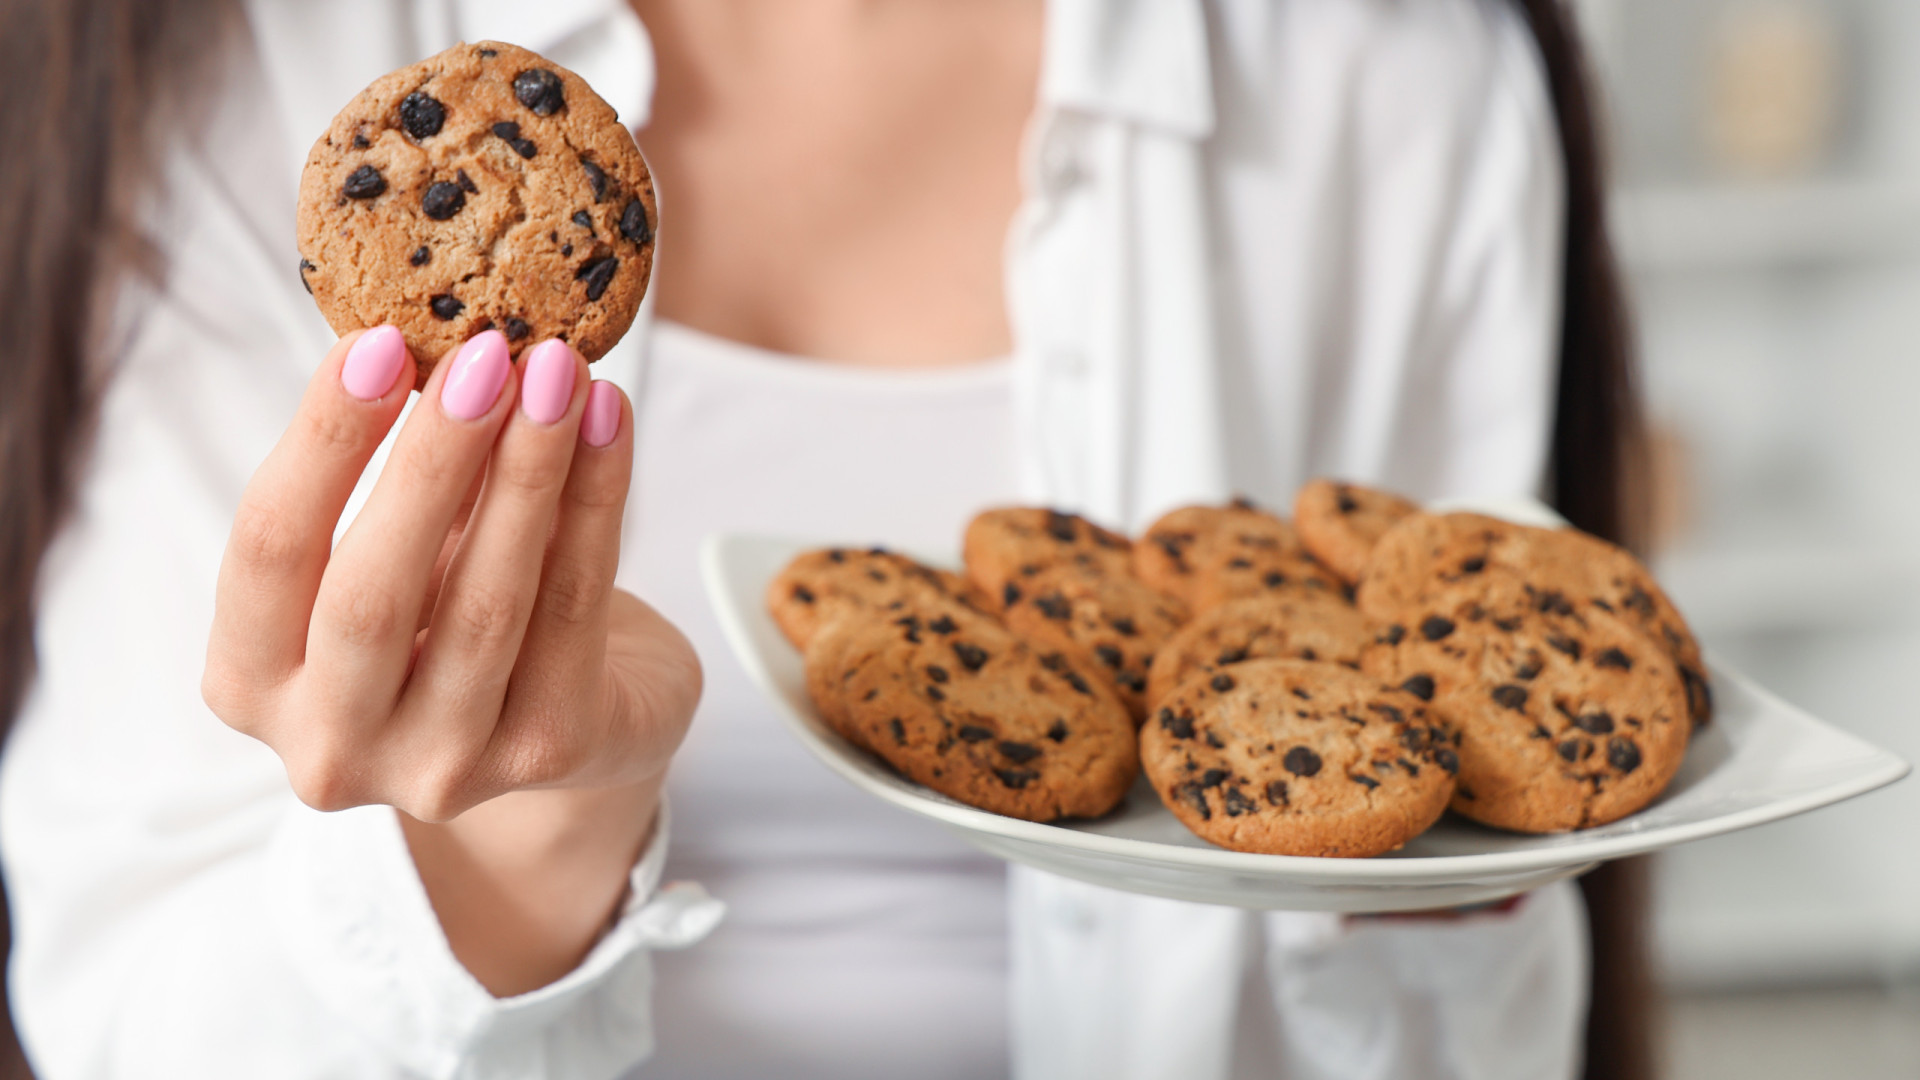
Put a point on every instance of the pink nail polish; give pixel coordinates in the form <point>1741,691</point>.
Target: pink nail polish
<point>602,421</point>
<point>479,371</point>
<point>373,363</point>
<point>546,384</point>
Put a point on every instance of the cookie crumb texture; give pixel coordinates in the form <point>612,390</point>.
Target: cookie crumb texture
<point>1297,757</point>
<point>485,188</point>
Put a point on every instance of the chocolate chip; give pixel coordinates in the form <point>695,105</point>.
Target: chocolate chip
<point>899,731</point>
<point>1393,635</point>
<point>1420,686</point>
<point>1552,602</point>
<point>1053,606</point>
<point>1344,501</point>
<point>442,200</point>
<point>360,141</point>
<point>304,267</point>
<point>364,182</point>
<point>1473,565</point>
<point>1274,579</point>
<point>465,182</point>
<point>596,179</point>
<point>1239,564</point>
<point>445,307</point>
<point>540,90</point>
<point>1530,667</point>
<point>1214,741</point>
<point>1124,626</point>
<point>1058,731</point>
<point>937,673</point>
<point>936,693</point>
<point>1507,625</point>
<point>1130,680</point>
<point>633,223</point>
<point>583,219</point>
<point>1179,726</point>
<point>1074,680</point>
<point>1237,803</point>
<point>1301,761</point>
<point>1435,627</point>
<point>1109,655</point>
<point>803,594</point>
<point>1509,696</point>
<point>1368,781</point>
<point>1016,778</point>
<point>509,131</point>
<point>1277,793</point>
<point>1639,602</point>
<point>1623,754</point>
<point>1447,760</point>
<point>566,250</point>
<point>972,657</point>
<point>1010,595</point>
<point>1595,723</point>
<point>517,329</point>
<point>1214,777</point>
<point>1393,715</point>
<point>1222,683</point>
<point>1412,769</point>
<point>489,53</point>
<point>911,624</point>
<point>1301,693</point>
<point>1197,795</point>
<point>973,733</point>
<point>421,115</point>
<point>1613,658</point>
<point>421,256</point>
<point>1060,526</point>
<point>1018,752</point>
<point>598,274</point>
<point>1570,749</point>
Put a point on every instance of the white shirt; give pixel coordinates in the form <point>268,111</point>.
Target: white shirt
<point>1262,239</point>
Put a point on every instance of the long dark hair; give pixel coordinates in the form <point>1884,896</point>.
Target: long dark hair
<point>80,78</point>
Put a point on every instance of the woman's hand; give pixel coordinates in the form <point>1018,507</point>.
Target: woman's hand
<point>463,641</point>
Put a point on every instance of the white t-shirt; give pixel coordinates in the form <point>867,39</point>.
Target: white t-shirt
<point>860,941</point>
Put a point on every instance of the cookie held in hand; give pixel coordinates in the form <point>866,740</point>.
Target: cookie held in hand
<point>1297,757</point>
<point>482,188</point>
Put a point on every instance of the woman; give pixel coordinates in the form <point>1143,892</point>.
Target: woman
<point>1248,243</point>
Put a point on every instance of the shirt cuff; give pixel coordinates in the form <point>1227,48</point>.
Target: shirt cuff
<point>356,921</point>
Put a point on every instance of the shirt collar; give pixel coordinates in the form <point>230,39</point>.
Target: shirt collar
<point>1144,61</point>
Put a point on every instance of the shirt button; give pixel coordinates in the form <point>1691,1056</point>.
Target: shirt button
<point>1060,160</point>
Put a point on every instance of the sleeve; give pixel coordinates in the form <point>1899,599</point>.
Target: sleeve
<point>177,913</point>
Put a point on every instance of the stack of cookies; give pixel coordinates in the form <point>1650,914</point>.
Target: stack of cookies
<point>1327,686</point>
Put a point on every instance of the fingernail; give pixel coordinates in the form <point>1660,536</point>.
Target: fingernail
<point>373,363</point>
<point>479,371</point>
<point>602,421</point>
<point>546,386</point>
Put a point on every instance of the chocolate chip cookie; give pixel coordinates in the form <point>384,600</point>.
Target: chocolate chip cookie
<point>1296,757</point>
<point>1114,622</point>
<point>1299,625</point>
<point>1207,555</point>
<point>959,704</point>
<point>1004,546</point>
<point>818,587</point>
<point>1429,559</point>
<point>1567,718</point>
<point>1339,523</point>
<point>482,188</point>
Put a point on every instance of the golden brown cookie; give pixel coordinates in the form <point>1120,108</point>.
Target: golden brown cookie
<point>482,188</point>
<point>1567,719</point>
<point>1006,545</point>
<point>1115,623</point>
<point>1339,523</point>
<point>1296,757</point>
<point>1207,555</point>
<point>1300,625</point>
<point>957,703</point>
<point>1440,558</point>
<point>820,586</point>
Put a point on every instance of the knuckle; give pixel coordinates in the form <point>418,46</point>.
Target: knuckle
<point>571,596</point>
<point>598,489</point>
<point>361,615</point>
<point>262,540</point>
<point>528,473</point>
<point>229,696</point>
<point>324,783</point>
<point>332,432</point>
<point>486,617</point>
<point>439,799</point>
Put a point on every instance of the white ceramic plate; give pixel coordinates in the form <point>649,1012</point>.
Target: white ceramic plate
<point>1760,760</point>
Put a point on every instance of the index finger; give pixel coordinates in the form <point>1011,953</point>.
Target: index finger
<point>283,531</point>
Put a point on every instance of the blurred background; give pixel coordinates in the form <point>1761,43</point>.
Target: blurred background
<point>1767,154</point>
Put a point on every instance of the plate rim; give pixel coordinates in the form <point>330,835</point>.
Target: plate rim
<point>838,755</point>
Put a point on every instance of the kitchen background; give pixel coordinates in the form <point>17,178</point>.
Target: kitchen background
<point>1767,158</point>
